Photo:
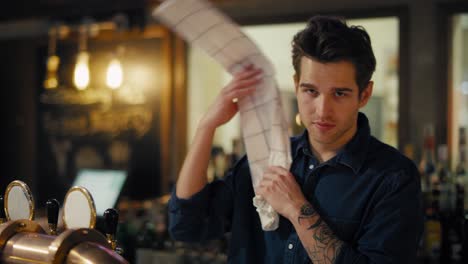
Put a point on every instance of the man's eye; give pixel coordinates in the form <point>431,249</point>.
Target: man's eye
<point>340,94</point>
<point>311,91</point>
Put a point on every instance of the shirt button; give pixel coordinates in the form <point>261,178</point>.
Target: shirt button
<point>290,246</point>
<point>311,166</point>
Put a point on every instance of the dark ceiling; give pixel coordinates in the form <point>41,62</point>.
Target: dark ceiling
<point>70,10</point>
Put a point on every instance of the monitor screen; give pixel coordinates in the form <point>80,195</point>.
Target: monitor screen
<point>104,186</point>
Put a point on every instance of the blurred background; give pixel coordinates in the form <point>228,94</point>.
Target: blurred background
<point>97,92</point>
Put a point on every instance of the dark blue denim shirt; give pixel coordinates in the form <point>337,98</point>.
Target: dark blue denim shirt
<point>368,194</point>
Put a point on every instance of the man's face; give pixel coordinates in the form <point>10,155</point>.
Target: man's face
<point>329,101</point>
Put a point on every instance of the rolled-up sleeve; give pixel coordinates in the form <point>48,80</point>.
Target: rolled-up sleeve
<point>393,227</point>
<point>204,216</point>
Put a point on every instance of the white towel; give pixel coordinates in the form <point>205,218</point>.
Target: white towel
<point>263,123</point>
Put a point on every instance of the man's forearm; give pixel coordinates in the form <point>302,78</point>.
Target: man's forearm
<point>192,176</point>
<point>321,244</point>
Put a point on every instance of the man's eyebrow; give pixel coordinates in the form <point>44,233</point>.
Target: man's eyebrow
<point>337,89</point>
<point>343,89</point>
<point>308,85</point>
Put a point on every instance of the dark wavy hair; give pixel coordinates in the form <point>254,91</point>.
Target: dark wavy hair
<point>330,39</point>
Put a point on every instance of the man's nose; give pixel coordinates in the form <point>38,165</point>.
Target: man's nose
<point>324,105</point>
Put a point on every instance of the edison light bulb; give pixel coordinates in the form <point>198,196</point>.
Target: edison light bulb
<point>114,75</point>
<point>51,81</point>
<point>81,74</point>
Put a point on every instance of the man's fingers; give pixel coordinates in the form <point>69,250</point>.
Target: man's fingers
<point>239,94</point>
<point>244,83</point>
<point>273,180</point>
<point>260,190</point>
<point>248,73</point>
<point>267,176</point>
<point>278,170</point>
<point>241,89</point>
<point>278,175</point>
<point>266,184</point>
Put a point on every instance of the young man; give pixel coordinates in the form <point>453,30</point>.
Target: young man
<point>347,198</point>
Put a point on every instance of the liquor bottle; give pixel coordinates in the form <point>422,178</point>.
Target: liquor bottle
<point>444,181</point>
<point>461,174</point>
<point>433,230</point>
<point>408,151</point>
<point>446,203</point>
<point>145,243</point>
<point>459,212</point>
<point>427,167</point>
<point>427,170</point>
<point>465,240</point>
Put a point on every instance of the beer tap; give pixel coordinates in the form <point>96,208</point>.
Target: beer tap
<point>2,210</point>
<point>111,217</point>
<point>22,240</point>
<point>53,207</point>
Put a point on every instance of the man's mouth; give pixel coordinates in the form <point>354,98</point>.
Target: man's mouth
<point>324,126</point>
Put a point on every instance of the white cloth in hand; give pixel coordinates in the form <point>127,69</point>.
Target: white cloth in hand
<point>264,127</point>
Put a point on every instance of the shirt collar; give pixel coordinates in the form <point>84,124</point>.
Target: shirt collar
<point>354,152</point>
<point>302,144</point>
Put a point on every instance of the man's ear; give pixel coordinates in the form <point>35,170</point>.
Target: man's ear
<point>366,94</point>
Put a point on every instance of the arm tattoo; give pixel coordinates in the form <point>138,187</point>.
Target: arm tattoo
<point>327,246</point>
<point>306,212</point>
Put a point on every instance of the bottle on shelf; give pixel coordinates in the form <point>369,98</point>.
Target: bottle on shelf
<point>408,151</point>
<point>432,229</point>
<point>465,240</point>
<point>461,172</point>
<point>431,241</point>
<point>458,216</point>
<point>427,167</point>
<point>146,239</point>
<point>446,205</point>
<point>444,182</point>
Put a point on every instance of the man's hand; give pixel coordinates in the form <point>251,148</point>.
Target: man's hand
<point>225,105</point>
<point>280,189</point>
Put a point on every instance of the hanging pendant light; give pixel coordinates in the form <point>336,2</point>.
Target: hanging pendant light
<point>53,61</point>
<point>114,75</point>
<point>81,73</point>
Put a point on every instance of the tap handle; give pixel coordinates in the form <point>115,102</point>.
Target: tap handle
<point>53,207</point>
<point>2,210</point>
<point>111,218</point>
